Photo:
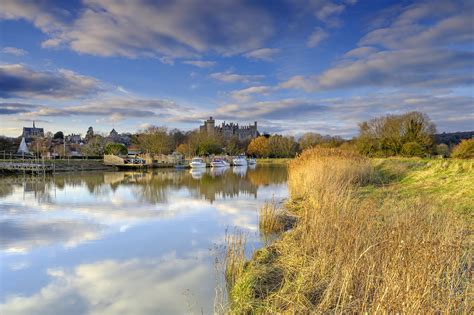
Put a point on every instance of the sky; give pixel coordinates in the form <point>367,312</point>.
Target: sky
<point>294,66</point>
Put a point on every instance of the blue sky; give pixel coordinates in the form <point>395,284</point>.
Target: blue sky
<point>292,65</point>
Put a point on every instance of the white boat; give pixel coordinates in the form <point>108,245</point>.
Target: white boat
<point>218,162</point>
<point>240,161</point>
<point>197,162</point>
<point>252,161</point>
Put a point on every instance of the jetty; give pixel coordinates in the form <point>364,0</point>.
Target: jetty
<point>32,167</point>
<point>124,162</point>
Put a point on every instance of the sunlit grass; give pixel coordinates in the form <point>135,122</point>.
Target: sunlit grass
<point>372,236</point>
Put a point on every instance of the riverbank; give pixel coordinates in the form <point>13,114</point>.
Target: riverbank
<point>281,161</point>
<point>72,165</point>
<point>382,235</point>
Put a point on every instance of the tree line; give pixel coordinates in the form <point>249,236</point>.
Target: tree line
<point>408,134</point>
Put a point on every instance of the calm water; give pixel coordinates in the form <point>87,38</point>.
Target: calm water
<point>124,242</point>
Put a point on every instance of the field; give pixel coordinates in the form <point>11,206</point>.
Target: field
<point>372,235</point>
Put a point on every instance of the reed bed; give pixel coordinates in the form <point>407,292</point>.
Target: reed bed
<point>353,254</point>
<point>271,218</point>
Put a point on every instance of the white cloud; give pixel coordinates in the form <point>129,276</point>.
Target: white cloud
<point>200,63</point>
<point>408,68</point>
<point>174,29</point>
<point>450,30</point>
<point>360,52</point>
<point>45,15</point>
<point>230,77</point>
<point>278,109</point>
<point>14,51</point>
<point>112,108</point>
<point>316,37</point>
<point>245,95</point>
<point>265,54</point>
<point>326,11</point>
<point>17,80</point>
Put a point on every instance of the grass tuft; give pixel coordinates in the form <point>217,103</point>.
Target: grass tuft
<point>271,218</point>
<point>234,258</point>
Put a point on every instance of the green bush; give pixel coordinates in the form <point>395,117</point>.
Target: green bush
<point>412,149</point>
<point>116,149</point>
<point>442,149</point>
<point>464,150</point>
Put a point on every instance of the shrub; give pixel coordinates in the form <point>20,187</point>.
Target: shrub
<point>464,150</point>
<point>442,149</point>
<point>386,136</point>
<point>412,149</point>
<point>116,149</point>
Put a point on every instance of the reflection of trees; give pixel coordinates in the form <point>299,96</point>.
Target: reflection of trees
<point>154,186</point>
<point>5,190</point>
<point>268,174</point>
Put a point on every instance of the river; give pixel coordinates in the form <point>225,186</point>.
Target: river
<point>125,242</point>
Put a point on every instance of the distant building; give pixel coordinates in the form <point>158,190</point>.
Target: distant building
<point>30,133</point>
<point>73,139</point>
<point>123,138</point>
<point>113,134</point>
<point>230,130</point>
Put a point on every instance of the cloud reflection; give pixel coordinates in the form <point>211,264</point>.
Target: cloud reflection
<point>152,286</point>
<point>19,237</point>
<point>67,210</point>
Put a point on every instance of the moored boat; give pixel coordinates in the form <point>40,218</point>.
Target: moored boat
<point>218,162</point>
<point>197,162</point>
<point>240,160</point>
<point>252,161</point>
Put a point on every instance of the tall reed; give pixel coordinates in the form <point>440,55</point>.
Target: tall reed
<point>234,258</point>
<point>271,218</point>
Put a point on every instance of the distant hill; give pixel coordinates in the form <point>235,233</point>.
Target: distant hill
<point>453,138</point>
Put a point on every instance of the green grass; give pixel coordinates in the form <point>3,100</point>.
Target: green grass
<point>449,182</point>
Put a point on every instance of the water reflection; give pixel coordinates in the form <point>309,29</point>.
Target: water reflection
<point>123,242</point>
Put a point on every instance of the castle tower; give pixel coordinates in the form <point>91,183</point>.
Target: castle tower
<point>210,124</point>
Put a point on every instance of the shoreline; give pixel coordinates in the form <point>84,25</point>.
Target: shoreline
<point>73,165</point>
<point>87,165</point>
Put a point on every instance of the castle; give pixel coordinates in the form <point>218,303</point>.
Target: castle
<point>230,130</point>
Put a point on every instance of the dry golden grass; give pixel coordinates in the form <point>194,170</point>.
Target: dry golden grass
<point>234,258</point>
<point>353,254</point>
<point>271,218</point>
